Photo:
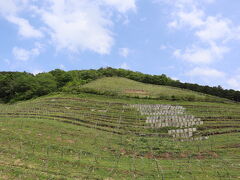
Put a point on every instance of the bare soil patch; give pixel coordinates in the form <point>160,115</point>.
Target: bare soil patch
<point>231,146</point>
<point>136,91</point>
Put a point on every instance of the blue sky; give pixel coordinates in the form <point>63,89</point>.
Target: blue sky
<point>190,40</point>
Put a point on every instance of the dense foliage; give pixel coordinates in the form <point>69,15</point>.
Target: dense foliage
<point>15,86</point>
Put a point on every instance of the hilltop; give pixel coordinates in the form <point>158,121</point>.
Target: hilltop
<point>117,86</point>
<point>17,86</point>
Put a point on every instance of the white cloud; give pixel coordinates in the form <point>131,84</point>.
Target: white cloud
<point>206,28</point>
<point>212,32</point>
<point>83,25</point>
<point>7,61</point>
<point>173,24</point>
<point>174,78</point>
<point>234,80</point>
<point>24,54</point>
<point>10,9</point>
<point>124,52</point>
<point>192,19</point>
<point>209,1</point>
<point>163,47</point>
<point>25,29</point>
<point>198,55</point>
<point>216,28</point>
<point>215,77</point>
<point>206,73</point>
<point>61,66</point>
<point>122,5</point>
<point>21,54</point>
<point>124,66</point>
<point>37,71</point>
<point>212,36</point>
<point>234,83</point>
<point>184,3</point>
<point>76,25</point>
<point>7,7</point>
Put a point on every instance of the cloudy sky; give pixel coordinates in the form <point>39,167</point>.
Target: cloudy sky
<point>194,41</point>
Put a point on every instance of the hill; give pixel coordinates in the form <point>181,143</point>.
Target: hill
<point>89,136</point>
<point>17,86</point>
<point>125,87</point>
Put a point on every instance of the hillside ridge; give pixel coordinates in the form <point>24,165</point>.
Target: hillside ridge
<point>17,86</point>
<point>119,86</point>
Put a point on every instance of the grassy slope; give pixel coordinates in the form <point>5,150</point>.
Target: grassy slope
<point>72,137</point>
<point>130,88</point>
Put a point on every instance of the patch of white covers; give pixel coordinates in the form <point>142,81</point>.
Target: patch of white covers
<point>161,115</point>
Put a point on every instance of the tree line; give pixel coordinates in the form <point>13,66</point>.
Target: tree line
<point>16,86</point>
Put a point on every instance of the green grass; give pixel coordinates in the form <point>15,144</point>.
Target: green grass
<point>118,86</point>
<point>68,136</point>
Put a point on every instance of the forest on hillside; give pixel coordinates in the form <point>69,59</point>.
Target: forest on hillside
<point>16,86</point>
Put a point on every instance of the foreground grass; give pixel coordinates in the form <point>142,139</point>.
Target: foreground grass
<point>72,137</point>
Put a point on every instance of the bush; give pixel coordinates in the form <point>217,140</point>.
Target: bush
<point>190,98</point>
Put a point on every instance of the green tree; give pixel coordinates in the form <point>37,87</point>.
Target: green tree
<point>61,77</point>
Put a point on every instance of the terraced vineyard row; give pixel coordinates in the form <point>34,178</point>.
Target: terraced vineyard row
<point>82,138</point>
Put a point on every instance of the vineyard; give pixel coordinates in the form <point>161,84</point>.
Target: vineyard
<point>99,137</point>
<point>129,88</point>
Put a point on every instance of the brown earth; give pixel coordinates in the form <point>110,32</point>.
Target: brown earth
<point>135,91</point>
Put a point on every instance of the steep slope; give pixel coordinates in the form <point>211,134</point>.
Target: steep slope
<point>98,137</point>
<point>126,87</point>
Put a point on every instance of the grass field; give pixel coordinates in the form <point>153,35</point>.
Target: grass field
<point>125,87</point>
<point>88,136</point>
